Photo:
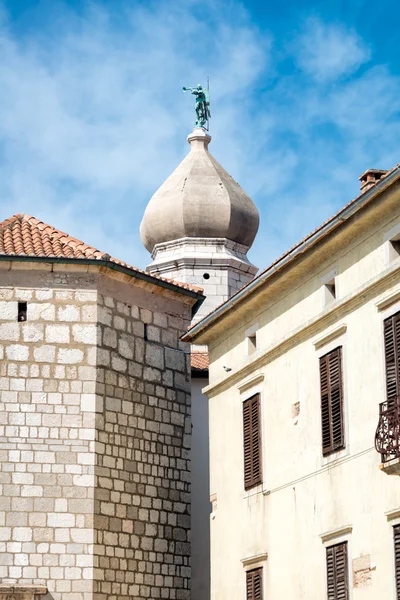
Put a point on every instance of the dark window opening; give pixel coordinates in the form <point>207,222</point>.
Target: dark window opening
<point>254,584</point>
<point>332,415</point>
<point>252,344</point>
<point>337,572</point>
<point>330,291</point>
<point>394,249</point>
<point>396,535</point>
<point>145,332</point>
<point>252,442</point>
<point>22,311</point>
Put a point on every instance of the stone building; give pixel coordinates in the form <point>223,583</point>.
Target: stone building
<point>94,422</point>
<point>199,226</point>
<point>304,400</point>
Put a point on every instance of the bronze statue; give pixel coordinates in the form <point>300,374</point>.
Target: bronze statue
<point>202,106</point>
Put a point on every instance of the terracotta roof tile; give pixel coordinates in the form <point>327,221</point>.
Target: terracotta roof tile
<point>199,361</point>
<point>23,235</point>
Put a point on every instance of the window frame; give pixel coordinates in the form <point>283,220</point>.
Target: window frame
<point>386,317</point>
<point>332,450</point>
<point>250,571</point>
<point>336,544</point>
<point>258,481</point>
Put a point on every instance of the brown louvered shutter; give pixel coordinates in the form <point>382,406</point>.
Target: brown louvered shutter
<point>252,442</point>
<point>396,535</point>
<point>337,572</point>
<point>391,328</point>
<point>330,368</point>
<point>254,584</point>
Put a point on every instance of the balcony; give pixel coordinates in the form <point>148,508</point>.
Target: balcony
<point>387,437</point>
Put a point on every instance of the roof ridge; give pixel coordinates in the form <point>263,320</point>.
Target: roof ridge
<point>23,235</point>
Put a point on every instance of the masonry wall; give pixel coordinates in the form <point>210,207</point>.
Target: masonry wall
<point>94,437</point>
<point>142,500</point>
<point>200,491</point>
<point>48,380</point>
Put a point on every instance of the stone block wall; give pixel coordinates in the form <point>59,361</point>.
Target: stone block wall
<point>47,436</point>
<point>142,497</point>
<point>94,437</point>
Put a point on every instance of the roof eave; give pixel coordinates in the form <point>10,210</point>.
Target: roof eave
<point>197,296</point>
<point>193,334</point>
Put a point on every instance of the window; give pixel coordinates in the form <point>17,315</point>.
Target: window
<point>252,442</point>
<point>22,309</point>
<point>330,368</point>
<point>251,344</point>
<point>337,572</point>
<point>254,584</point>
<point>391,332</point>
<point>330,291</point>
<point>394,248</point>
<point>396,536</point>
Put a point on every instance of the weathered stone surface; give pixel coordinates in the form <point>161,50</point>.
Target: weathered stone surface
<point>93,444</point>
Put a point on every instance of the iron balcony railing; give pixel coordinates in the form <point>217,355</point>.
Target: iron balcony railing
<point>387,437</point>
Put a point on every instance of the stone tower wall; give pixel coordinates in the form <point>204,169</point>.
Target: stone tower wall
<point>94,437</point>
<point>142,498</point>
<point>47,437</point>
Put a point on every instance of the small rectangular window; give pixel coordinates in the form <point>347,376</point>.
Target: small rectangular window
<point>332,417</point>
<point>394,248</point>
<point>330,291</point>
<point>391,332</point>
<point>337,572</point>
<point>254,582</point>
<point>22,311</point>
<point>251,344</point>
<point>396,537</point>
<point>252,442</point>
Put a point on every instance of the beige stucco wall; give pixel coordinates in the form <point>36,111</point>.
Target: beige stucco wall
<point>200,491</point>
<point>303,495</point>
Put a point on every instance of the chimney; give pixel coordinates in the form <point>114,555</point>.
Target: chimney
<point>370,177</point>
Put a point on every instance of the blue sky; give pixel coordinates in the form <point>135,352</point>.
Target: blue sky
<point>305,97</point>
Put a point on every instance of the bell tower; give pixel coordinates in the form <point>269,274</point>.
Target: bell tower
<point>199,226</point>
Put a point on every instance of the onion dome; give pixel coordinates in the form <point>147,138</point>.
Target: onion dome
<point>199,200</point>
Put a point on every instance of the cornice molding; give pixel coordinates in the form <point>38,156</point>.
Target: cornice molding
<point>325,319</point>
<point>251,560</point>
<point>335,533</point>
<point>329,336</point>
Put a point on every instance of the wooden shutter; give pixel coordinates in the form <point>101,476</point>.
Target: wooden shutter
<point>396,535</point>
<point>252,442</point>
<point>330,368</point>
<point>337,572</point>
<point>254,584</point>
<point>391,330</point>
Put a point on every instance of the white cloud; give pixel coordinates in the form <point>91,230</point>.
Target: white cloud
<point>327,51</point>
<point>93,119</point>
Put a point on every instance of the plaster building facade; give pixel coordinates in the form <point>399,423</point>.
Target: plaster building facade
<point>95,423</point>
<point>305,426</point>
<point>198,228</point>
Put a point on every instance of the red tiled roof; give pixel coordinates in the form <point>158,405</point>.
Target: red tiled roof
<point>25,236</point>
<point>199,361</point>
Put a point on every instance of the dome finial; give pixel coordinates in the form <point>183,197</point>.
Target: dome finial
<point>202,106</point>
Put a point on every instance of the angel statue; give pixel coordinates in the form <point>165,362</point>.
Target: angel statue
<point>202,107</point>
